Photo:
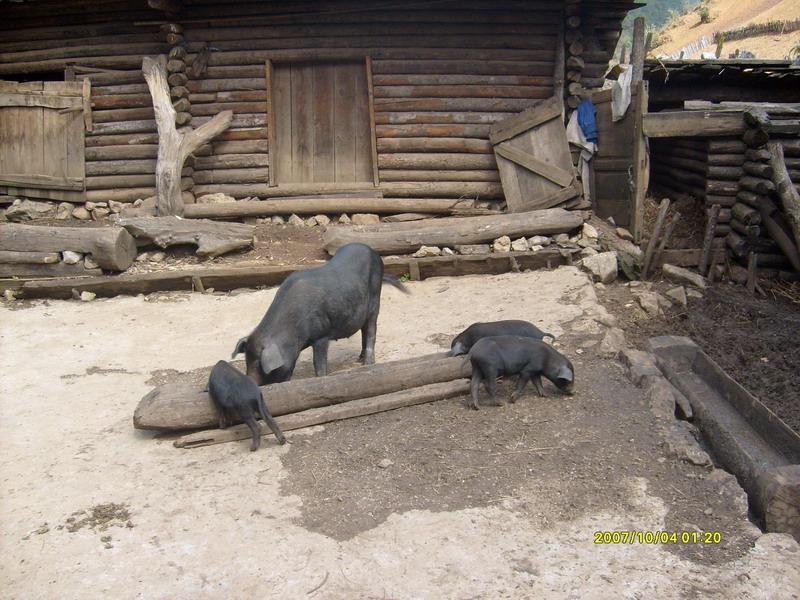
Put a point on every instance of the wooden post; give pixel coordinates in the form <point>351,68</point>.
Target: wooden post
<point>708,238</point>
<point>790,199</point>
<point>637,51</point>
<point>651,245</point>
<point>174,146</point>
<point>752,261</point>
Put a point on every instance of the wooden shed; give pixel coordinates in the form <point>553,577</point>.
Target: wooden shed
<point>327,95</point>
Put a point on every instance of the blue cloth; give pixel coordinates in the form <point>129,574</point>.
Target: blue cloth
<point>587,119</point>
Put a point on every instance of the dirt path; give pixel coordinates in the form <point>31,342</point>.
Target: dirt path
<point>500,503</point>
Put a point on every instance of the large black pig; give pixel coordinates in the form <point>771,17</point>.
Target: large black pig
<point>466,339</point>
<point>316,306</point>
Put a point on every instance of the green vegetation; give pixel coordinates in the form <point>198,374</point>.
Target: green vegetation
<point>658,15</point>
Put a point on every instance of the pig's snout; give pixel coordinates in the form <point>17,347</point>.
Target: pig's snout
<point>458,349</point>
<point>566,386</point>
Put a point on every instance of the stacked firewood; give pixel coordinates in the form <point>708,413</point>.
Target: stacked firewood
<point>573,43</point>
<point>762,224</point>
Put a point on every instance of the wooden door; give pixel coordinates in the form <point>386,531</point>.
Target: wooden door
<point>621,167</point>
<point>41,139</point>
<point>321,121</point>
<point>533,158</point>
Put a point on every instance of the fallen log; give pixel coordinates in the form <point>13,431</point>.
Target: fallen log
<point>391,238</point>
<point>786,191</point>
<point>211,238</point>
<point>59,269</point>
<point>336,412</point>
<point>333,205</point>
<point>38,258</point>
<point>178,406</point>
<point>111,248</point>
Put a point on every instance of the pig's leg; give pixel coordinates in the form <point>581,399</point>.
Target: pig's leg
<point>321,357</point>
<point>491,387</point>
<point>521,381</point>
<point>255,429</point>
<point>223,419</point>
<point>369,332</point>
<point>537,382</point>
<point>474,387</point>
<point>267,416</point>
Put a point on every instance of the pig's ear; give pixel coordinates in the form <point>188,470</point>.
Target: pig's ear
<point>565,373</point>
<point>272,358</point>
<point>241,346</point>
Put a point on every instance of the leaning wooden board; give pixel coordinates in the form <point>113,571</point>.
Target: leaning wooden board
<point>533,158</point>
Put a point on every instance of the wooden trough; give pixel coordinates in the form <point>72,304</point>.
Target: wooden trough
<point>744,436</point>
<point>180,407</point>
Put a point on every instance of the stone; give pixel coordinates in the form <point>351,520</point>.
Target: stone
<point>115,207</point>
<point>588,252</point>
<point>142,257</point>
<point>385,463</point>
<point>685,276</point>
<point>28,210</point>
<point>641,366</point>
<point>64,211</point>
<point>277,220</point>
<point>365,219</point>
<point>215,198</point>
<point>90,206</point>
<point>539,240</point>
<point>311,221</point>
<point>70,257</point>
<point>344,220</point>
<point>649,302</point>
<point>87,296</point>
<point>677,295</point>
<point>692,293</point>
<point>468,249</point>
<point>588,231</point>
<point>612,343</point>
<point>624,234</point>
<point>502,244</point>
<point>561,238</point>
<point>296,221</point>
<point>427,251</point>
<point>448,252</point>
<point>322,220</point>
<point>88,262</point>
<point>100,213</point>
<point>157,257</point>
<point>520,245</point>
<point>602,266</point>
<point>536,248</point>
<point>9,295</point>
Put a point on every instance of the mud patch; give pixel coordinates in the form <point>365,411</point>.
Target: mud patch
<point>100,518</point>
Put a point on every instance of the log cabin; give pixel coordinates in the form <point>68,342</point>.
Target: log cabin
<point>327,95</point>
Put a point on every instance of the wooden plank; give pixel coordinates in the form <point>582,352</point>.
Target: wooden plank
<point>59,269</point>
<point>529,118</point>
<point>372,128</point>
<point>555,174</point>
<point>641,161</point>
<point>281,157</point>
<point>270,85</point>
<point>323,116</point>
<point>55,102</point>
<point>39,258</point>
<point>344,119</point>
<point>362,131</point>
<point>42,181</point>
<point>693,124</point>
<point>302,122</point>
<point>86,97</point>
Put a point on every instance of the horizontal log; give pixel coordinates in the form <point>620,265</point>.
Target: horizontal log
<point>724,172</point>
<point>726,146</point>
<point>146,126</point>
<point>326,414</point>
<point>459,67</point>
<point>791,147</point>
<point>722,188</point>
<point>755,138</point>
<point>264,190</point>
<point>202,110</point>
<point>103,182</point>
<point>749,231</point>
<point>98,154</point>
<point>757,154</point>
<point>122,101</point>
<point>422,144</point>
<point>254,175</point>
<point>487,80</point>
<point>228,97</point>
<point>659,151</point>
<point>120,167</point>
<point>463,175</point>
<point>443,189</point>
<point>111,247</point>
<point>58,269</point>
<point>440,118</point>
<point>723,201</point>
<point>231,161</point>
<point>461,91</point>
<point>175,407</point>
<point>467,162</point>
<point>749,198</point>
<point>395,60</point>
<point>733,160</point>
<point>692,123</point>
<point>408,237</point>
<point>38,258</point>
<point>771,108</point>
<point>122,139</point>
<point>249,133</point>
<point>758,169</point>
<point>457,104</point>
<point>315,206</point>
<point>122,114</point>
<point>239,121</point>
<point>433,131</point>
<point>757,184</point>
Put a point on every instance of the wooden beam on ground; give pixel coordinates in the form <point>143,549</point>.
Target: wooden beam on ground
<point>337,412</point>
<point>223,278</point>
<point>212,238</point>
<point>693,124</point>
<point>389,238</point>
<point>331,205</point>
<point>176,407</point>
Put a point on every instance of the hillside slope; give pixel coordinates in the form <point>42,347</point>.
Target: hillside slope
<point>730,14</point>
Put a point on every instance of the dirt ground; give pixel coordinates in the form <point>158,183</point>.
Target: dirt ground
<point>499,503</point>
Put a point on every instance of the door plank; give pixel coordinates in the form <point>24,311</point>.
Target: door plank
<point>344,124</point>
<point>302,122</point>
<point>362,131</point>
<point>551,172</point>
<point>323,115</point>
<point>529,118</point>
<point>282,109</point>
